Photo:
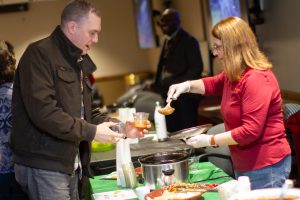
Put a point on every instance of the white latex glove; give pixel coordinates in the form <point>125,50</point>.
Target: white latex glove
<point>178,89</point>
<point>105,134</point>
<point>198,141</point>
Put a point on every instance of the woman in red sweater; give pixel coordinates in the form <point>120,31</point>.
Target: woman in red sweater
<point>251,106</point>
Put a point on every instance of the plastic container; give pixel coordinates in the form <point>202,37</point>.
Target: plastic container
<point>98,147</point>
<point>227,189</point>
<point>232,190</point>
<point>243,184</point>
<point>160,124</point>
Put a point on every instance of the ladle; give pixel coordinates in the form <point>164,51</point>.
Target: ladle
<point>167,110</point>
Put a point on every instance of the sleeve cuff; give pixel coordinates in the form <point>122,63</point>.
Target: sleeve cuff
<point>91,132</point>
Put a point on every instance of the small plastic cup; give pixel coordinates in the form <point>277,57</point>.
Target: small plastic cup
<point>142,191</point>
<point>119,127</point>
<point>140,119</point>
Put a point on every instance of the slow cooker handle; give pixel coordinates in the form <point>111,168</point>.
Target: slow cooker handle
<point>168,172</point>
<point>193,159</point>
<point>168,178</point>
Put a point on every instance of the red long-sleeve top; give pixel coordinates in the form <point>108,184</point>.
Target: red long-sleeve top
<point>252,111</point>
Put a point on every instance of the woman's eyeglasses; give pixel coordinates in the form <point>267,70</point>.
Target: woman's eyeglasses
<point>216,47</point>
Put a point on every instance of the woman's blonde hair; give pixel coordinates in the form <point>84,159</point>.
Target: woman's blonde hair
<point>239,46</point>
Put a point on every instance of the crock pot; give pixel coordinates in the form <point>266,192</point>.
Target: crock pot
<point>157,167</point>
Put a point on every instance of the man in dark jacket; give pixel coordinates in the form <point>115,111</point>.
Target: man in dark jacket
<point>180,60</point>
<point>52,117</point>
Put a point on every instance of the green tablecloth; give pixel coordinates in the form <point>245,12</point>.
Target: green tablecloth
<point>201,173</point>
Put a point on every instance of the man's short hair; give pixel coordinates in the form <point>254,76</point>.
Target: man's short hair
<point>76,10</point>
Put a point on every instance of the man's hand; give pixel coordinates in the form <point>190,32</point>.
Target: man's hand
<point>132,132</point>
<point>199,141</point>
<point>177,89</point>
<point>104,133</point>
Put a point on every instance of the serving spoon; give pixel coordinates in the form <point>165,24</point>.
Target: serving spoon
<point>167,110</point>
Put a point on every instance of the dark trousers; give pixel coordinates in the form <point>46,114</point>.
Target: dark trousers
<point>10,189</point>
<point>186,113</point>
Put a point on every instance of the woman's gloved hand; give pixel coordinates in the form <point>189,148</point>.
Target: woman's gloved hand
<point>199,141</point>
<point>177,89</point>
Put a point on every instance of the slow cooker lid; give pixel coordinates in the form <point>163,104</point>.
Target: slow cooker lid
<point>164,157</point>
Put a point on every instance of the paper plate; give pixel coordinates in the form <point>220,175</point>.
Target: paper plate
<point>183,196</point>
<point>190,132</point>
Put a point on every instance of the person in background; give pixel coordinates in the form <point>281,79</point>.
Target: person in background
<point>10,47</point>
<point>180,60</point>
<point>9,188</point>
<point>52,108</point>
<point>96,95</point>
<point>292,124</point>
<point>251,106</point>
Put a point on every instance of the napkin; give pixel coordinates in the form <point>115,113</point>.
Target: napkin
<point>115,195</point>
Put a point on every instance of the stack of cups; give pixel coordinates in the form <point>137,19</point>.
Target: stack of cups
<point>129,175</point>
<point>126,114</point>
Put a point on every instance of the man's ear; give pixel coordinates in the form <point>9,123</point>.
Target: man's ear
<point>71,27</point>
